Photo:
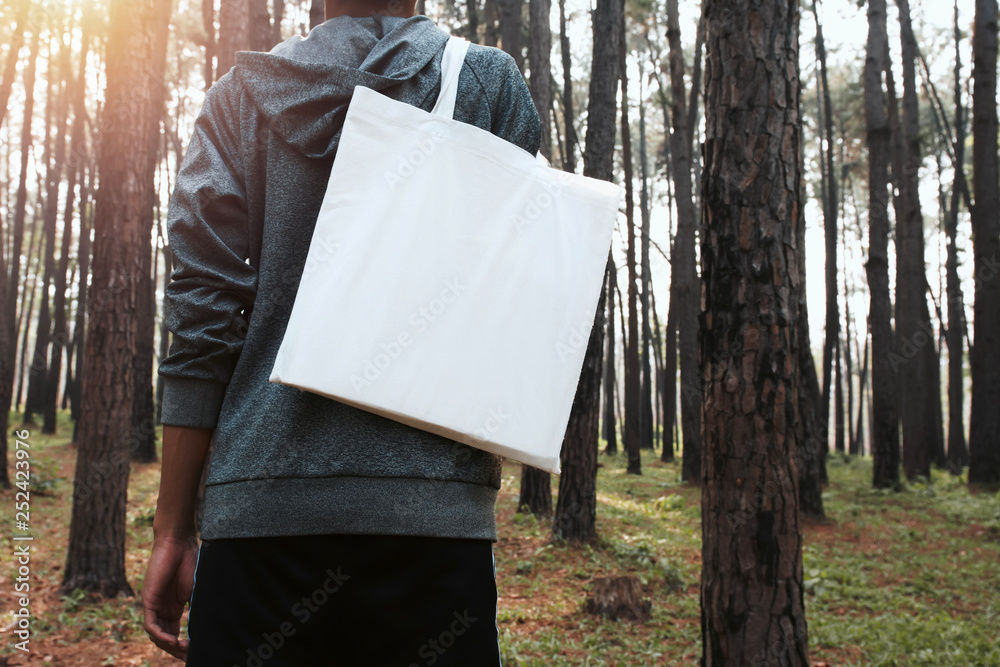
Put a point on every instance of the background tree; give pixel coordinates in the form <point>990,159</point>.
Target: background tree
<point>885,435</point>
<point>576,506</point>
<point>95,559</point>
<point>984,420</point>
<point>752,587</point>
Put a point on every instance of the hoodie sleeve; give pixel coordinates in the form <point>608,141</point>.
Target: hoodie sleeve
<point>212,286</point>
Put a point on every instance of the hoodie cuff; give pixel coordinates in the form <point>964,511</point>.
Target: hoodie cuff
<point>191,402</point>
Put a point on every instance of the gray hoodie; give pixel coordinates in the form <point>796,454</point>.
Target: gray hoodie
<point>288,462</point>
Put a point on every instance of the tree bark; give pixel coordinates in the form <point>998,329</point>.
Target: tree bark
<point>916,355</point>
<point>646,389</point>
<point>752,591</point>
<point>208,25</point>
<point>610,429</point>
<point>684,287</point>
<point>95,558</point>
<point>234,31</point>
<point>885,432</point>
<point>984,421</point>
<point>490,19</point>
<point>569,162</point>
<point>540,83</point>
<point>79,325</point>
<point>631,433</point>
<point>510,29</point>
<point>576,507</point>
<point>10,276</point>
<point>74,166</point>
<point>669,386</point>
<point>958,455</point>
<point>13,51</point>
<point>259,27</point>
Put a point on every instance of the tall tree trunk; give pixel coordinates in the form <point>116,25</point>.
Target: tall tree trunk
<point>208,25</point>
<point>838,403</point>
<point>472,31</point>
<point>540,83</point>
<point>259,25</point>
<point>917,356</point>
<point>862,383</point>
<point>278,7</point>
<point>80,322</point>
<point>490,19</point>
<point>317,13</point>
<point>77,154</point>
<point>95,558</point>
<point>576,507</point>
<point>958,456</point>
<point>610,423</point>
<point>646,389</point>
<point>569,163</point>
<point>234,31</point>
<point>632,431</point>
<point>669,385</point>
<point>984,420</point>
<point>536,485</point>
<point>10,276</point>
<point>57,108</point>
<point>510,29</point>
<point>885,433</point>
<point>143,441</point>
<point>684,286</point>
<point>29,288</point>
<point>13,51</point>
<point>752,591</point>
<point>832,332</point>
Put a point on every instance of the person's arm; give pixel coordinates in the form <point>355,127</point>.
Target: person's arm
<point>170,573</point>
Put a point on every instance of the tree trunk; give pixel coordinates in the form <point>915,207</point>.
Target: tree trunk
<point>832,332</point>
<point>536,492</point>
<point>472,31</point>
<point>279,14</point>
<point>885,432</point>
<point>540,83</point>
<point>916,354</point>
<point>838,403</point>
<point>632,431</point>
<point>984,420</point>
<point>617,598</point>
<point>11,276</point>
<point>80,323</point>
<point>208,25</point>
<point>490,18</point>
<point>684,286</point>
<point>234,31</point>
<point>752,591</point>
<point>569,163</point>
<point>259,27</point>
<point>75,165</point>
<point>143,442</point>
<point>510,29</point>
<point>95,558</point>
<point>646,388</point>
<point>862,383</point>
<point>610,430</point>
<point>669,386</point>
<point>576,507</point>
<point>317,13</point>
<point>13,51</point>
<point>958,456</point>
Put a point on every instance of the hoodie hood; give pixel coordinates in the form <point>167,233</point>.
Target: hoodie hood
<point>304,86</point>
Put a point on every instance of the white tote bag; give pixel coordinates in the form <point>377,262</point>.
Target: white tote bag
<point>452,278</point>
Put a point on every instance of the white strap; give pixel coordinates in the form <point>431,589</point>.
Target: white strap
<point>451,65</point>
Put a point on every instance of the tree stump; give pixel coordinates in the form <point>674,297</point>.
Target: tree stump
<point>619,598</point>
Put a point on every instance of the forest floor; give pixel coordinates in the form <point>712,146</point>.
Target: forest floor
<point>910,577</point>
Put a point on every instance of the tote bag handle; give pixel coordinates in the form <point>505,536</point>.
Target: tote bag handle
<point>451,66</point>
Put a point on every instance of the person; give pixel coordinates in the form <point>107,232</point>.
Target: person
<point>330,535</point>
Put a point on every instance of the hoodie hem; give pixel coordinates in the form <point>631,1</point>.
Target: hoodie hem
<point>353,505</point>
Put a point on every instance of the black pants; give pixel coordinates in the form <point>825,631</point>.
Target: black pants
<point>344,601</point>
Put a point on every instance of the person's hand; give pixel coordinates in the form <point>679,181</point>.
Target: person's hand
<point>167,588</point>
